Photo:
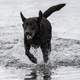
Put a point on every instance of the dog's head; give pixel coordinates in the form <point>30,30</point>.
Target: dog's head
<point>31,25</point>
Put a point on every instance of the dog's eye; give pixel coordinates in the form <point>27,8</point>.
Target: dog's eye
<point>30,24</point>
<point>32,28</point>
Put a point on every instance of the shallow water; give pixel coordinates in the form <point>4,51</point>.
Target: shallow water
<point>11,33</point>
<point>61,73</point>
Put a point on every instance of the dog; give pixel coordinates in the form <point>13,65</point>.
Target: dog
<point>38,32</point>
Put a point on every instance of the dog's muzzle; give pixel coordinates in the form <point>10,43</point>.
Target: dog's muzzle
<point>28,36</point>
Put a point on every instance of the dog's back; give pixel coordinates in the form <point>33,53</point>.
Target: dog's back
<point>45,29</point>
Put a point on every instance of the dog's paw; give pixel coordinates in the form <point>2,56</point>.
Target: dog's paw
<point>34,60</point>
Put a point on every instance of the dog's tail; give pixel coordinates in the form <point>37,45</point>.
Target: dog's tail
<point>52,9</point>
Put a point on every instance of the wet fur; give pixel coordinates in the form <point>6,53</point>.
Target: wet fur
<point>42,31</point>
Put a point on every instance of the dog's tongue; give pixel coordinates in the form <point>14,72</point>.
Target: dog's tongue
<point>29,37</point>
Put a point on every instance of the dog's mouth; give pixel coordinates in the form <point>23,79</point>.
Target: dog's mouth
<point>29,37</point>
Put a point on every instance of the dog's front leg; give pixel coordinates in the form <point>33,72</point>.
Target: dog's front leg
<point>31,56</point>
<point>27,52</point>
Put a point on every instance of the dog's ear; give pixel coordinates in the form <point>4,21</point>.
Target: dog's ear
<point>22,17</point>
<point>40,16</point>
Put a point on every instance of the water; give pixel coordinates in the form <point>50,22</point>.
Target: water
<point>61,73</point>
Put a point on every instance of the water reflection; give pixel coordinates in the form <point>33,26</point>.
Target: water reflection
<point>32,76</point>
<point>43,74</point>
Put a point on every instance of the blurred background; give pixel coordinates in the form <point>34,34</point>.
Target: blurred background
<point>65,23</point>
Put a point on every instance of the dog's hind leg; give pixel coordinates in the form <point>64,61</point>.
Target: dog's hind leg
<point>46,49</point>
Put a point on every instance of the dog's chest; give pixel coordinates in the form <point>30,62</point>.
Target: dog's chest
<point>35,43</point>
<point>35,46</point>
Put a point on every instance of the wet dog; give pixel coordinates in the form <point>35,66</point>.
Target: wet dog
<point>38,32</point>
